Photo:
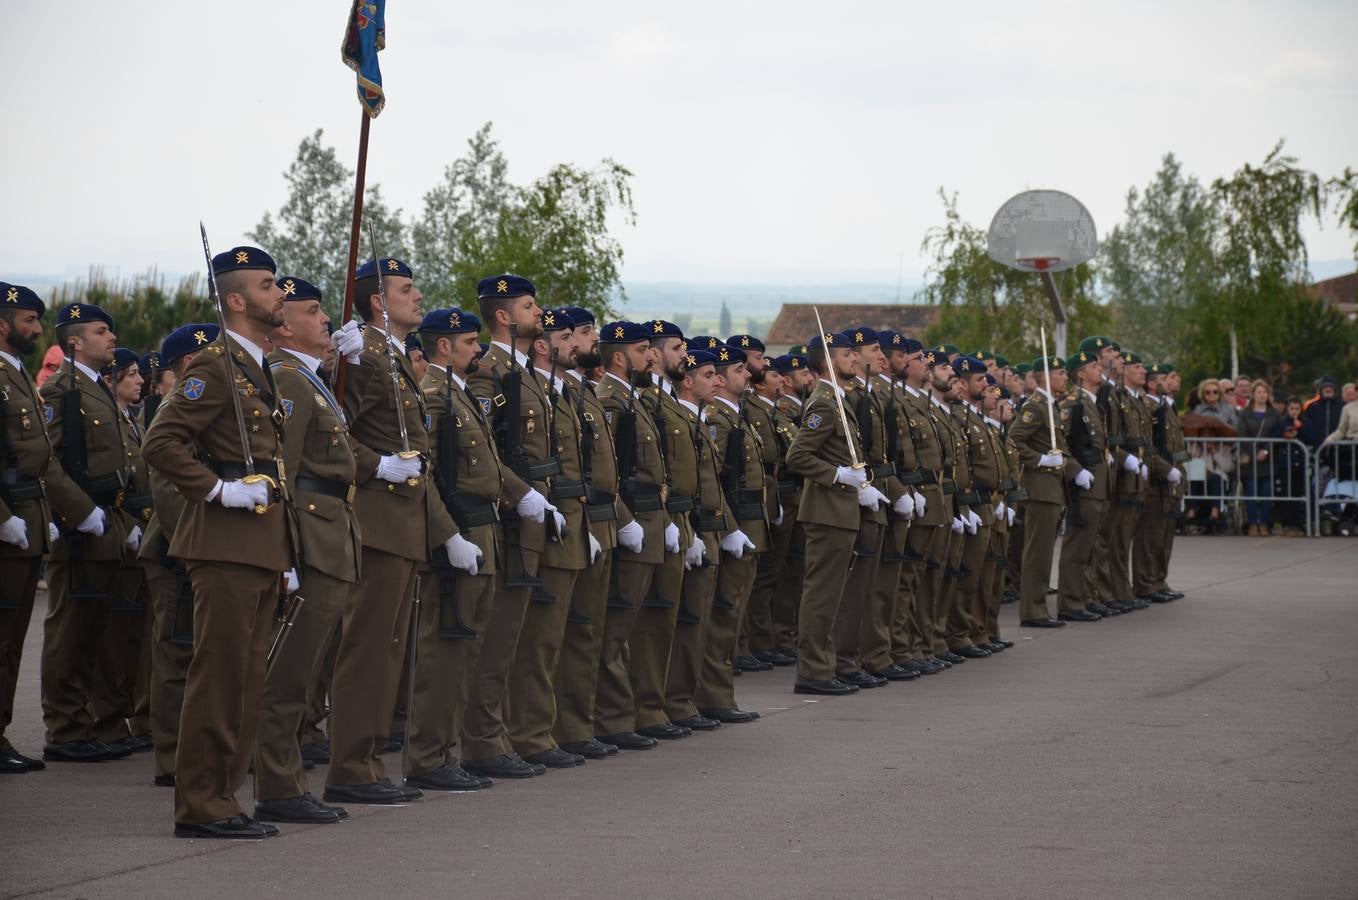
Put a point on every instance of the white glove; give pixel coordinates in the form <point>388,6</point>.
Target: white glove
<point>631,536</point>
<point>14,530</point>
<point>1009,512</point>
<point>957,525</point>
<point>290,583</point>
<point>239,495</point>
<point>462,554</point>
<point>1050,461</point>
<point>594,549</point>
<point>999,510</point>
<point>736,543</point>
<point>53,532</point>
<point>1131,463</point>
<point>671,538</point>
<point>920,503</point>
<point>396,469</point>
<point>1084,479</point>
<point>850,476</point>
<point>1144,472</point>
<point>969,522</point>
<point>1174,476</point>
<point>134,539</point>
<point>975,519</point>
<point>693,557</point>
<point>1108,457</point>
<point>348,342</point>
<point>904,507</point>
<point>871,498</point>
<point>532,505</point>
<point>93,524</point>
<point>560,519</point>
<point>779,521</point>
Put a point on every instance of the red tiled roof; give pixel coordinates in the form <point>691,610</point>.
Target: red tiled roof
<point>796,322</point>
<point>1340,292</point>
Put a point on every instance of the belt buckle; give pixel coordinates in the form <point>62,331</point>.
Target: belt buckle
<point>664,494</point>
<point>349,494</point>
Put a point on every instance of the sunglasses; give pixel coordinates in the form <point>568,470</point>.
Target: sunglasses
<point>1210,393</point>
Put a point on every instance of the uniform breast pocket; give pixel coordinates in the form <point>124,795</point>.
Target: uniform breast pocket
<point>328,434</point>
<point>471,449</point>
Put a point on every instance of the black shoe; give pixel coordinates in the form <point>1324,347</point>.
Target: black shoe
<point>774,658</point>
<point>408,793</point>
<point>1141,603</point>
<point>1162,597</point>
<point>991,647</point>
<point>730,715</point>
<point>506,765</point>
<point>830,688</point>
<point>300,810</point>
<point>166,780</point>
<point>698,722</point>
<point>1122,607</point>
<point>13,761</point>
<point>971,652</point>
<point>445,778</point>
<point>237,827</point>
<point>789,652</point>
<point>316,804</point>
<point>1001,642</point>
<point>1173,594</point>
<point>1098,608</point>
<point>665,731</point>
<point>1079,615</point>
<point>590,749</point>
<point>628,740</point>
<point>555,759</point>
<point>949,656</point>
<point>377,793</point>
<point>317,753</point>
<point>939,662</point>
<point>751,664</point>
<point>861,679</point>
<point>853,688</point>
<point>1047,622</point>
<point>80,751</point>
<point>896,672</point>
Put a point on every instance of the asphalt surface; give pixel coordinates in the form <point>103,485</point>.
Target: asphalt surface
<point>1204,748</point>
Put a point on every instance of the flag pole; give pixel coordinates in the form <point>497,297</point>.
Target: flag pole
<point>353,246</point>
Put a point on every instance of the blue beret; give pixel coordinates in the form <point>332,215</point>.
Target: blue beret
<point>934,356</point>
<point>16,296</point>
<point>659,328</point>
<point>728,355</point>
<point>890,340</point>
<point>82,313</point>
<point>836,340</point>
<point>580,316</point>
<point>297,289</point>
<point>782,363</point>
<point>558,319</point>
<point>186,339</point>
<point>122,358</point>
<point>863,335</point>
<point>967,365</point>
<point>504,286</point>
<point>910,345</point>
<point>746,342</point>
<point>239,258</point>
<point>792,362</point>
<point>390,266</point>
<point>413,343</point>
<point>696,359</point>
<point>150,362</point>
<point>623,332</point>
<point>704,342</point>
<point>450,321</point>
<point>990,380</point>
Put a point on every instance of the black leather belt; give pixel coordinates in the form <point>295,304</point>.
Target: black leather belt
<point>788,489</point>
<point>915,477</point>
<point>970,498</point>
<point>599,506</point>
<point>566,489</point>
<point>708,522</point>
<point>746,505</point>
<point>1016,495</point>
<point>882,470</point>
<point>337,489</point>
<point>679,503</point>
<point>16,487</point>
<point>949,486</point>
<point>1008,484</point>
<point>642,496</point>
<point>232,471</point>
<point>542,469</point>
<point>930,477</point>
<point>470,510</point>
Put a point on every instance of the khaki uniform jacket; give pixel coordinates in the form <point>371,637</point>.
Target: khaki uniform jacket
<point>572,551</point>
<point>603,476</point>
<point>820,448</point>
<point>875,453</point>
<point>30,451</point>
<point>1083,408</point>
<point>711,500</point>
<point>1136,428</point>
<point>138,506</point>
<point>773,443</point>
<point>316,445</point>
<point>957,465</point>
<point>1174,444</point>
<point>790,407</point>
<point>681,456</point>
<point>534,409</point>
<point>107,451</point>
<point>929,439</point>
<point>650,468</point>
<point>480,471</point>
<point>196,425</point>
<point>722,422</point>
<point>985,459</point>
<point>1031,436</point>
<point>168,505</point>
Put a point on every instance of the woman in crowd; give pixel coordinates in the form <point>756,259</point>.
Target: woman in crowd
<point>1257,420</point>
<point>1289,471</point>
<point>1211,403</point>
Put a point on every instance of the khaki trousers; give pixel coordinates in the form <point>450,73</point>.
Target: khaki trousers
<point>966,616</point>
<point>948,592</point>
<point>233,613</point>
<point>652,640</point>
<point>787,589</point>
<point>72,633</point>
<point>716,682</point>
<point>577,671</point>
<point>1041,522</point>
<point>1075,580</point>
<point>18,586</point>
<point>875,636</point>
<point>532,678</point>
<point>757,631</point>
<point>910,637</point>
<point>828,554</point>
<point>856,601</point>
<point>169,666</point>
<point>374,630</point>
<point>995,578</point>
<point>690,642</point>
<point>614,705</point>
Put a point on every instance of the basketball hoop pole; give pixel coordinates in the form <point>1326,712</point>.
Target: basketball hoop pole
<point>1058,311</point>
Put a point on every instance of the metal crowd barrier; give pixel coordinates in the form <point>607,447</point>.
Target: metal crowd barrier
<point>1226,474</point>
<point>1335,468</point>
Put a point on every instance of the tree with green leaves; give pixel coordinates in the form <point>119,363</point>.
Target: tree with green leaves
<point>1343,190</point>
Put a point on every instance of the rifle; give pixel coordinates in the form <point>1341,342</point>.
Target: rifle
<point>625,435</point>
<point>74,459</point>
<point>511,448</point>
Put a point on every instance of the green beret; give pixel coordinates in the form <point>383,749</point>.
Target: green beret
<point>1096,342</point>
<point>1053,362</point>
<point>1131,359</point>
<point>1081,358</point>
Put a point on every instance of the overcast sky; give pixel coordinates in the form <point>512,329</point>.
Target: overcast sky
<point>785,142</point>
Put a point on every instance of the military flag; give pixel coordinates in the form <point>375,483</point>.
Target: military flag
<point>364,36</point>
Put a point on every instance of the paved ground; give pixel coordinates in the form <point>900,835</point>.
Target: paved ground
<point>1201,749</point>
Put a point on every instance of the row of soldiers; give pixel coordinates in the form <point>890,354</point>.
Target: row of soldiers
<point>534,552</point>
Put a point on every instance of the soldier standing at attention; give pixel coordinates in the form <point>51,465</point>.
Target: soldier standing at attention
<point>234,538</point>
<point>532,694</point>
<point>943,387</point>
<point>321,466</point>
<point>90,442</point>
<point>643,542</point>
<point>393,508</point>
<point>1155,533</point>
<point>797,382</point>
<point>578,668</point>
<point>26,529</point>
<point>1088,443</point>
<point>966,621</point>
<point>513,398</point>
<point>459,591</point>
<point>1131,473</point>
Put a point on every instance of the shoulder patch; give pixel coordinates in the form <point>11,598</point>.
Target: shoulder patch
<point>712,430</point>
<point>194,387</point>
<point>429,422</point>
<point>812,421</point>
<point>1027,415</point>
<point>48,413</point>
<point>608,416</point>
<point>287,407</point>
<point>485,404</point>
<point>1065,414</point>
